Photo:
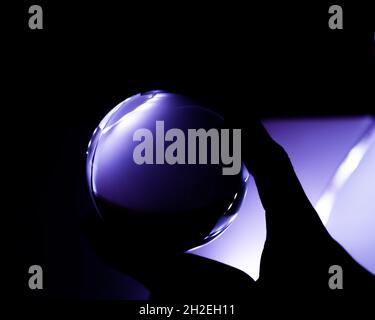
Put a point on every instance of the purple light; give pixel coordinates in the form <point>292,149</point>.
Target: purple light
<point>343,173</point>
<point>316,147</point>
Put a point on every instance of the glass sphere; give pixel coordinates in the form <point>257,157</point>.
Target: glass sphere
<point>171,207</point>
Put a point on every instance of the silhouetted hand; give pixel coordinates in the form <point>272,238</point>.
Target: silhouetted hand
<point>297,254</point>
<point>298,251</point>
<point>181,277</point>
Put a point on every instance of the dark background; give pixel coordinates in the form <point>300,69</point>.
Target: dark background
<point>270,60</point>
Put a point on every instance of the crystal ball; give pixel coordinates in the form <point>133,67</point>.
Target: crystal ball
<point>153,202</point>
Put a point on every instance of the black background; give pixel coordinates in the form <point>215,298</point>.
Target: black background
<point>271,59</point>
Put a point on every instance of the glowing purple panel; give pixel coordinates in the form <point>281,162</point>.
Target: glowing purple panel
<point>317,148</point>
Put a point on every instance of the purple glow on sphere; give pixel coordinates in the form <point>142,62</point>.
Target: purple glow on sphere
<point>169,207</point>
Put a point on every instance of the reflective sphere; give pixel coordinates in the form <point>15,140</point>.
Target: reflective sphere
<point>170,207</point>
